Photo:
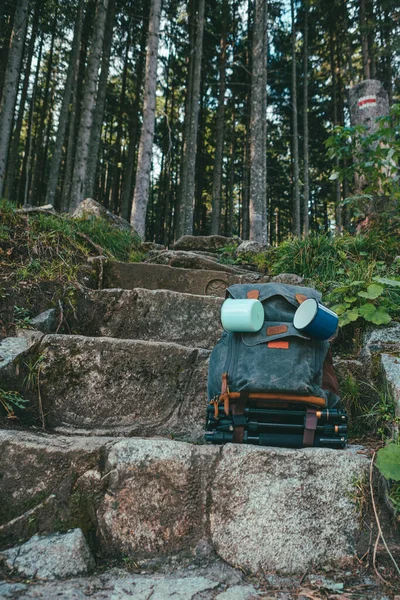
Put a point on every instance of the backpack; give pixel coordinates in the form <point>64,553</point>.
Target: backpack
<point>277,366</point>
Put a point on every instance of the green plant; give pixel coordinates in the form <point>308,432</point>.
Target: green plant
<point>31,378</point>
<point>22,317</point>
<point>381,415</point>
<point>359,299</point>
<point>10,400</point>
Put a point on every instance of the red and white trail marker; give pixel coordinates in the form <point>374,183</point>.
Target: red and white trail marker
<point>366,101</point>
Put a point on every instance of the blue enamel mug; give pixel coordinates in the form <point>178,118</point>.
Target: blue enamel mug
<point>315,320</point>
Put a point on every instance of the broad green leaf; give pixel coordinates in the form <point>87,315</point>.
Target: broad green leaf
<point>349,316</point>
<point>354,283</point>
<point>373,291</point>
<point>381,317</point>
<point>388,461</point>
<point>339,309</point>
<point>385,281</point>
<point>367,311</point>
<point>340,289</point>
<point>350,299</point>
<point>335,175</point>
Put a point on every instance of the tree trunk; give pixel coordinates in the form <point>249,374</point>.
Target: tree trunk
<point>9,96</point>
<point>338,199</point>
<point>88,104</point>
<point>72,72</point>
<point>37,179</point>
<point>116,174</point>
<point>186,209</point>
<point>258,116</point>
<point>231,182</point>
<point>306,198</point>
<point>142,185</point>
<point>296,229</point>
<point>95,132</point>
<point>13,157</point>
<point>130,163</point>
<point>220,129</point>
<point>364,41</point>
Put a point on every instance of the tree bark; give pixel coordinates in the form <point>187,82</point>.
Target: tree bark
<point>296,229</point>
<point>306,191</point>
<point>142,185</point>
<point>338,199</point>
<point>220,129</point>
<point>130,163</point>
<point>95,132</point>
<point>13,156</point>
<point>364,41</point>
<point>186,209</point>
<point>9,96</point>
<point>72,72</point>
<point>88,104</point>
<point>258,133</point>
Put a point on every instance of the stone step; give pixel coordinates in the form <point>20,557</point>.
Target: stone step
<point>262,509</point>
<point>157,315</point>
<point>118,387</point>
<point>196,260</point>
<point>163,277</point>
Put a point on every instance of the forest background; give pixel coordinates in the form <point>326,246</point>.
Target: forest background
<point>76,81</point>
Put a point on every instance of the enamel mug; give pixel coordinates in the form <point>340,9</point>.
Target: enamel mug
<point>315,320</point>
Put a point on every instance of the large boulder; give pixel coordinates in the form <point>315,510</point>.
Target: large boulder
<point>164,277</point>
<point>155,315</point>
<point>133,387</point>
<point>54,556</point>
<point>206,243</point>
<point>90,208</point>
<point>250,247</point>
<point>284,510</point>
<point>191,260</point>
<point>156,497</point>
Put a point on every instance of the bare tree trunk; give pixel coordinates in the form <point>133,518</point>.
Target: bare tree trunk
<point>231,183</point>
<point>220,130</point>
<point>142,185</point>
<point>364,41</point>
<point>338,199</point>
<point>95,132</point>
<point>63,117</point>
<point>37,178</point>
<point>306,191</point>
<point>130,163</point>
<point>88,104</point>
<point>116,171</point>
<point>296,229</point>
<point>186,209</point>
<point>13,157</point>
<point>258,151</point>
<point>9,96</point>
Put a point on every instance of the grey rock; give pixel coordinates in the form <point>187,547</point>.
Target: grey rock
<point>156,497</point>
<point>208,243</point>
<point>194,260</point>
<point>12,590</point>
<point>11,349</point>
<point>250,247</point>
<point>288,278</point>
<point>239,592</point>
<point>149,246</point>
<point>382,339</point>
<point>46,322</point>
<point>55,556</point>
<point>391,374</point>
<point>119,585</point>
<point>90,208</point>
<point>155,315</point>
<point>127,387</point>
<point>129,276</point>
<point>35,467</point>
<point>272,508</point>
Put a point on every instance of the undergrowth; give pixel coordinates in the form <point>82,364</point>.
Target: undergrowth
<point>45,247</point>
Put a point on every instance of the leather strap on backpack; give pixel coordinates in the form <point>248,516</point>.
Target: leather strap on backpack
<point>238,417</point>
<point>310,427</point>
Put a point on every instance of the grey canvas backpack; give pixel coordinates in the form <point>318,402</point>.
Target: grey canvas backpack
<point>278,362</point>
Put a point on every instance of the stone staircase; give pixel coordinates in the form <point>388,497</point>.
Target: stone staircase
<point>124,400</point>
